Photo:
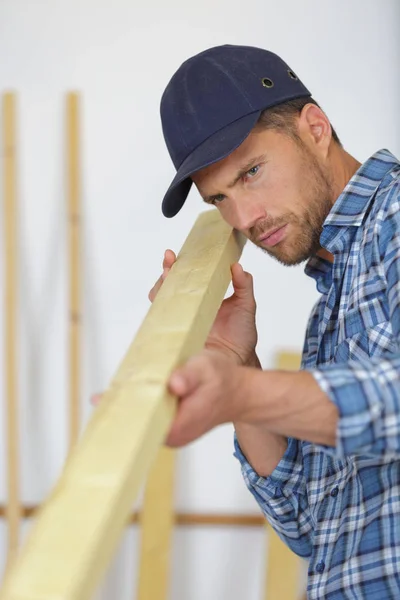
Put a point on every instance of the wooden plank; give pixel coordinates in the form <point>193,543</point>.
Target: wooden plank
<point>219,520</point>
<point>13,510</point>
<point>283,568</point>
<point>157,521</point>
<point>180,519</point>
<point>288,360</point>
<point>283,571</point>
<point>73,211</point>
<point>78,529</point>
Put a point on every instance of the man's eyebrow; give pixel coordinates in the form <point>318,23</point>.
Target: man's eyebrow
<point>242,171</point>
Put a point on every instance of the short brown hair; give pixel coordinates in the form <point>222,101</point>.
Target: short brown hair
<point>282,117</point>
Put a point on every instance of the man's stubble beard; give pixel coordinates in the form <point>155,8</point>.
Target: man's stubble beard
<point>299,245</point>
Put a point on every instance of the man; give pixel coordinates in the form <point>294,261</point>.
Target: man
<point>320,448</point>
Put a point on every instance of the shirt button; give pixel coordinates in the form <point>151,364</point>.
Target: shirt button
<point>334,491</point>
<point>320,567</point>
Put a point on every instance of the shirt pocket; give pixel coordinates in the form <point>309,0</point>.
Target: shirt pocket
<point>365,331</point>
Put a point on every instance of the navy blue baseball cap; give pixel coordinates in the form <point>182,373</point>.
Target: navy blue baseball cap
<point>212,103</point>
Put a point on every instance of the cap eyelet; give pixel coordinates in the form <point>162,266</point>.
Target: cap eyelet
<point>292,75</point>
<point>267,82</point>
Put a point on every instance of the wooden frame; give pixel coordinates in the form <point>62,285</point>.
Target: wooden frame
<point>79,526</point>
<point>157,521</point>
<point>73,208</point>
<point>283,565</point>
<point>13,509</point>
<point>181,519</point>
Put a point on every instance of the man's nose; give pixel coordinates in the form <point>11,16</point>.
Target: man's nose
<point>247,215</point>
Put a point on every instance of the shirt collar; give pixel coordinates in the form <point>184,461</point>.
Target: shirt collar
<point>352,204</point>
<point>320,269</point>
<point>349,211</point>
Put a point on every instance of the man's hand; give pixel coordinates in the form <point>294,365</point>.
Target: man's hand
<point>233,333</point>
<point>211,391</point>
<point>211,386</point>
<point>234,330</point>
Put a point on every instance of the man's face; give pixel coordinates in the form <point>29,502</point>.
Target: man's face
<point>273,189</point>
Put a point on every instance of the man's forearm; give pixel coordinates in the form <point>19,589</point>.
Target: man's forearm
<point>262,449</point>
<point>289,404</point>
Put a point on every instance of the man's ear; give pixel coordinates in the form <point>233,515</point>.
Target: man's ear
<point>315,129</point>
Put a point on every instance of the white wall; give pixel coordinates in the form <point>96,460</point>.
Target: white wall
<point>120,55</point>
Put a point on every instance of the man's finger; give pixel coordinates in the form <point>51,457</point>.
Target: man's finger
<point>169,259</point>
<point>155,289</point>
<point>165,273</point>
<point>95,399</point>
<point>185,380</point>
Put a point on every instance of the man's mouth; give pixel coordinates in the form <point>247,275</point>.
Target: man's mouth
<point>273,237</point>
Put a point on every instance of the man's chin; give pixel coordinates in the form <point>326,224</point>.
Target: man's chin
<point>288,259</point>
<point>291,261</point>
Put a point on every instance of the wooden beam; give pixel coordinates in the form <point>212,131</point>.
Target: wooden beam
<point>219,520</point>
<point>180,519</point>
<point>74,270</point>
<point>77,531</point>
<point>157,522</point>
<point>283,568</point>
<point>288,360</point>
<point>13,511</point>
<point>283,571</point>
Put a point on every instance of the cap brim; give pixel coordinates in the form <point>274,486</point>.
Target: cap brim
<point>215,148</point>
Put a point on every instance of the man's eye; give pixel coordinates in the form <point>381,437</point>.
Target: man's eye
<point>253,171</point>
<point>218,198</point>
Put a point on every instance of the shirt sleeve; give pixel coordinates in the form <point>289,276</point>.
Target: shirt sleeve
<point>282,497</point>
<point>367,393</point>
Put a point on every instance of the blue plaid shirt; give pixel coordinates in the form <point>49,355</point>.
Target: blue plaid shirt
<point>340,507</point>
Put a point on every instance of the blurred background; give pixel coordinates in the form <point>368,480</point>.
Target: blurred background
<point>119,56</point>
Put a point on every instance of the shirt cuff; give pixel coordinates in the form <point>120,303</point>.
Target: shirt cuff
<point>287,475</point>
<point>358,423</point>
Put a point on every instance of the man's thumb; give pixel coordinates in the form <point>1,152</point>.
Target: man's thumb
<point>185,380</point>
<point>242,282</point>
